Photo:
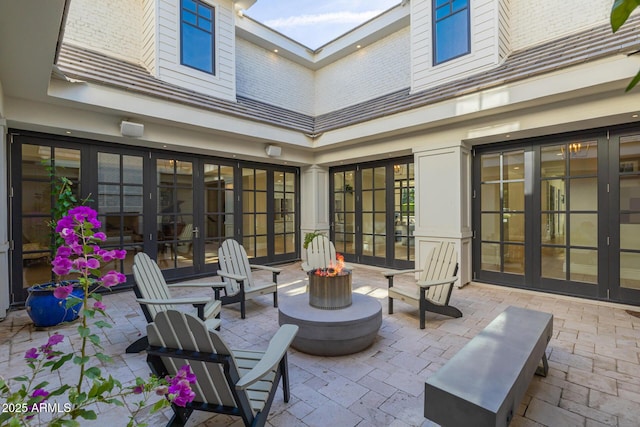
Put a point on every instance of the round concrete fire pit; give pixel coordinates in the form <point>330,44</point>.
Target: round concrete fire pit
<point>332,332</point>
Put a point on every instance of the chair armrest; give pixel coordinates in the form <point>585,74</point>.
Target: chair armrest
<point>391,273</point>
<point>306,267</point>
<point>278,347</point>
<point>266,268</point>
<point>235,277</point>
<point>175,301</point>
<point>430,283</point>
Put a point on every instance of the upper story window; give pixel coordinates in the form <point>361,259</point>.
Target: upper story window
<point>450,29</point>
<point>197,39</point>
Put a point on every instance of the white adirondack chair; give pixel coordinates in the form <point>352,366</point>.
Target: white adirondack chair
<point>153,295</point>
<point>239,383</point>
<point>321,253</point>
<point>239,284</point>
<point>433,291</point>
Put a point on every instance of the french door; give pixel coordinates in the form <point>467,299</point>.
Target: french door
<point>560,214</point>
<point>372,207</point>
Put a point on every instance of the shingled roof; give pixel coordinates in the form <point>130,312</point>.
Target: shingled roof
<point>585,46</point>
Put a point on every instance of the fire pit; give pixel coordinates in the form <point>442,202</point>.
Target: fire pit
<point>332,320</point>
<point>330,288</point>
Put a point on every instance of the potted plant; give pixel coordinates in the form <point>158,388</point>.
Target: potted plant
<point>308,237</point>
<point>25,397</point>
<point>47,305</point>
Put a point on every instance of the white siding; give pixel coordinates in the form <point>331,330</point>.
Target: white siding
<point>111,27</point>
<point>265,76</point>
<point>369,72</point>
<point>485,49</point>
<point>536,22</point>
<point>149,35</point>
<point>504,29</point>
<point>222,84</point>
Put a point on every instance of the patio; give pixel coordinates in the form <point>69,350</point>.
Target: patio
<point>594,358</point>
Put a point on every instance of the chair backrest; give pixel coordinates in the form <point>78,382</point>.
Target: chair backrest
<point>186,234</point>
<point>321,253</point>
<point>233,259</point>
<point>176,330</point>
<point>150,283</point>
<point>441,263</point>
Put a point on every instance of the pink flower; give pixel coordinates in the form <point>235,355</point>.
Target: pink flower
<point>179,390</point>
<point>62,292</point>
<point>112,278</point>
<point>55,339</point>
<point>61,265</point>
<point>120,253</point>
<point>100,236</point>
<point>32,353</point>
<point>99,306</point>
<point>162,390</point>
<point>93,263</point>
<point>63,251</point>
<point>138,389</point>
<point>40,392</point>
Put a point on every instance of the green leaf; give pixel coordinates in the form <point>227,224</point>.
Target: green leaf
<point>89,312</point>
<point>103,324</point>
<point>64,359</point>
<point>633,82</point>
<point>21,378</point>
<point>104,358</point>
<point>162,403</point>
<point>87,415</point>
<point>620,11</point>
<point>95,340</point>
<point>78,360</point>
<point>84,332</point>
<point>93,373</point>
<point>60,391</point>
<point>96,296</point>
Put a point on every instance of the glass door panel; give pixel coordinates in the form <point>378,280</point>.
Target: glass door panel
<point>373,197</point>
<point>285,212</point>
<point>42,166</point>
<point>569,211</point>
<point>175,206</point>
<point>120,206</point>
<point>218,210</point>
<point>254,212</point>
<point>629,252</point>
<point>404,211</point>
<point>502,217</point>
<point>344,207</point>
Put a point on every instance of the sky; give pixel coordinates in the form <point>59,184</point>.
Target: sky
<point>316,22</point>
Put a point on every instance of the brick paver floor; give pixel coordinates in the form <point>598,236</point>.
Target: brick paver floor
<point>594,375</point>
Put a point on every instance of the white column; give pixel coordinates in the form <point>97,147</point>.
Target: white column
<point>314,200</point>
<point>443,203</point>
<point>5,293</point>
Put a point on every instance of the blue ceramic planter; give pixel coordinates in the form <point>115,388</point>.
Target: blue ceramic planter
<point>46,310</point>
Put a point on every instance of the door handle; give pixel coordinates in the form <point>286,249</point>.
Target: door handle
<point>196,232</point>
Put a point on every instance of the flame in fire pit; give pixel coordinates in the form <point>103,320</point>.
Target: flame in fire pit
<point>333,270</point>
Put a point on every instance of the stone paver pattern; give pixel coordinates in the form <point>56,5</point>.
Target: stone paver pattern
<point>594,358</point>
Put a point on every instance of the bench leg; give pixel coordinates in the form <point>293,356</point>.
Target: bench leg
<point>544,369</point>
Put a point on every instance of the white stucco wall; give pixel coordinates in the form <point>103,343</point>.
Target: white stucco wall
<point>267,76</point>
<point>535,22</point>
<point>374,70</point>
<point>112,27</point>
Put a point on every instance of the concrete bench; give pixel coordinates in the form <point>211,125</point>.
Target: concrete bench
<point>483,384</point>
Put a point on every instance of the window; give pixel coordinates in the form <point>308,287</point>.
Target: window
<point>450,29</point>
<point>196,36</point>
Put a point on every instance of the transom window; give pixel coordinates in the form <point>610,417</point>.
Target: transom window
<point>450,29</point>
<point>197,36</point>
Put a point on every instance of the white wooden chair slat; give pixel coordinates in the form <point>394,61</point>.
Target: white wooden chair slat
<point>441,264</point>
<point>185,339</point>
<point>233,260</point>
<point>321,253</point>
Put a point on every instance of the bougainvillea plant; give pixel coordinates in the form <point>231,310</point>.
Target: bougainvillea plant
<point>27,397</point>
